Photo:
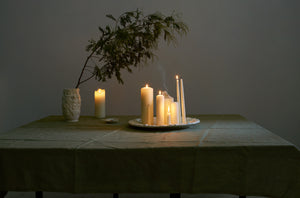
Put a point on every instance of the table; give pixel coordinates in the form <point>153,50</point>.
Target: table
<point>223,154</point>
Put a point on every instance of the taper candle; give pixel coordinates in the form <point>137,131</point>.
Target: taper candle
<point>100,103</point>
<point>178,97</point>
<point>147,105</point>
<point>183,115</point>
<point>160,110</point>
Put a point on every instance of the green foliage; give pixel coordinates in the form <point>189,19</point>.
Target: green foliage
<point>131,41</point>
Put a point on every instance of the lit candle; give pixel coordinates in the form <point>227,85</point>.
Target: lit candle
<point>100,103</point>
<point>169,116</point>
<point>178,98</point>
<point>174,113</point>
<point>147,105</point>
<point>168,101</point>
<point>160,110</point>
<point>183,115</point>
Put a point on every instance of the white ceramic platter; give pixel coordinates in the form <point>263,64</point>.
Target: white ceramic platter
<point>138,124</point>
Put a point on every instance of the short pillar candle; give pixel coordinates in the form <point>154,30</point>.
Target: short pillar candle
<point>100,103</point>
<point>160,109</point>
<point>174,113</point>
<point>169,117</point>
<point>168,102</point>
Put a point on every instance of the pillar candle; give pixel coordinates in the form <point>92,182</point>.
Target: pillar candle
<point>178,97</point>
<point>100,103</point>
<point>169,116</point>
<point>168,101</point>
<point>147,105</point>
<point>160,109</point>
<point>183,115</point>
<point>174,113</point>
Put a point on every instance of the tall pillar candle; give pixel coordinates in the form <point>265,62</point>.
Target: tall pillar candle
<point>183,115</point>
<point>178,97</point>
<point>174,113</point>
<point>147,105</point>
<point>100,103</point>
<point>160,109</point>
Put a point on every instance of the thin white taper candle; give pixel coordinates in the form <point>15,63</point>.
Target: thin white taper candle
<point>183,115</point>
<point>178,98</point>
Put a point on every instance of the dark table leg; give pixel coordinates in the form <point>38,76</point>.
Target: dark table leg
<point>38,194</point>
<point>242,196</point>
<point>174,195</point>
<point>115,195</point>
<point>2,194</point>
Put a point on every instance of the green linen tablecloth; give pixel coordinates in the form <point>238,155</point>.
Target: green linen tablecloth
<point>223,154</point>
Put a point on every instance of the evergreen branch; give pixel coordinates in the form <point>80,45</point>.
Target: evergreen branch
<point>130,42</point>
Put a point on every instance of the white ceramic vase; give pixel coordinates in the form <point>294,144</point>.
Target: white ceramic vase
<point>71,103</point>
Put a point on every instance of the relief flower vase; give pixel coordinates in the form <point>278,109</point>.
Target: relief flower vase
<point>71,103</point>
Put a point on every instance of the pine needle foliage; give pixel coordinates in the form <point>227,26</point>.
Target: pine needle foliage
<point>131,41</point>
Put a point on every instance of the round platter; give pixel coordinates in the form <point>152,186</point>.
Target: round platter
<point>138,124</point>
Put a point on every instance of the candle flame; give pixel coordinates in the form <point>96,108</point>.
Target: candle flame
<point>147,85</point>
<point>159,92</point>
<point>99,90</point>
<point>176,77</point>
<point>168,109</point>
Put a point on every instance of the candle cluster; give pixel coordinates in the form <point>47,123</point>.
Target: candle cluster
<point>168,111</point>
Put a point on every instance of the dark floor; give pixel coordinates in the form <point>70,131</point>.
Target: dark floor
<point>67,195</point>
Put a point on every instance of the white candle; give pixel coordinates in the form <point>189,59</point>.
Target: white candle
<point>147,105</point>
<point>168,101</point>
<point>183,115</point>
<point>149,119</point>
<point>169,116</point>
<point>174,113</point>
<point>100,103</point>
<point>160,109</point>
<point>178,97</point>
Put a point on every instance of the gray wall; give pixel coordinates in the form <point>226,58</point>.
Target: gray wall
<point>240,57</point>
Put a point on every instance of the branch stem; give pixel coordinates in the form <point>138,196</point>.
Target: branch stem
<point>82,71</point>
<point>87,79</point>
